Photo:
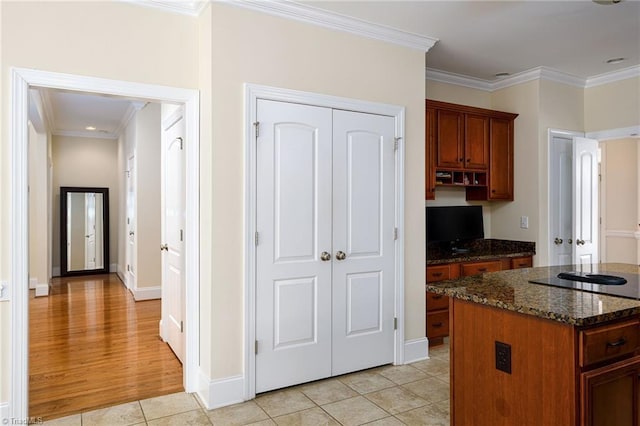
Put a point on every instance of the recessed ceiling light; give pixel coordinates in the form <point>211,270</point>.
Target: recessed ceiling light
<point>502,74</point>
<point>89,128</point>
<point>614,61</point>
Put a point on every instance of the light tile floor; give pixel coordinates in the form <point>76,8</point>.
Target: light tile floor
<point>413,394</point>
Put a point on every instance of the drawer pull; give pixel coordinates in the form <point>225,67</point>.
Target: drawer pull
<point>436,274</point>
<point>617,343</point>
<point>437,296</point>
<point>482,269</point>
<point>437,325</point>
<point>522,265</point>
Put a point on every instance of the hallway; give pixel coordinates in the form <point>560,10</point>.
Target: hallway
<point>91,346</point>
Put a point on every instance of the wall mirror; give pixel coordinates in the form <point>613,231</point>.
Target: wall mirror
<point>84,230</point>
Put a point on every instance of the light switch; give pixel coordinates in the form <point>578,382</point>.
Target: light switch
<point>4,290</point>
<point>524,222</point>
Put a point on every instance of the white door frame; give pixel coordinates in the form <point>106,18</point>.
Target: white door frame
<point>21,80</point>
<point>254,92</point>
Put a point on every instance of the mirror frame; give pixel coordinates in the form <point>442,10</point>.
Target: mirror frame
<point>64,190</point>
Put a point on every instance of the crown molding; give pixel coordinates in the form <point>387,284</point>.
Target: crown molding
<point>134,107</point>
<point>540,73</point>
<point>311,15</point>
<point>613,76</point>
<point>190,8</point>
<point>85,134</point>
<point>620,133</point>
<point>457,79</point>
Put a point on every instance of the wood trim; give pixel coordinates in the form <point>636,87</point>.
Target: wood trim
<point>470,110</point>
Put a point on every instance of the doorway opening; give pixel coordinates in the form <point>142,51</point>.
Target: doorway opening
<point>22,80</point>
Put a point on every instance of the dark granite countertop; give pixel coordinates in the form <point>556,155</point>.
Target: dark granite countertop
<point>512,290</point>
<point>483,249</point>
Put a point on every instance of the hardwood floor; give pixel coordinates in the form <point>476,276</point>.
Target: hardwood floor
<point>91,345</point>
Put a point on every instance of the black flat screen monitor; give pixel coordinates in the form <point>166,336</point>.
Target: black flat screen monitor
<point>454,223</point>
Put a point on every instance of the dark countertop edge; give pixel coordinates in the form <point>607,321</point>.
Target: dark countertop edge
<point>462,258</point>
<point>564,319</point>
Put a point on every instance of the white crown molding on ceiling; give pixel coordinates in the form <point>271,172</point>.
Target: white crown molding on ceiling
<point>621,133</point>
<point>335,21</point>
<point>540,73</point>
<point>89,134</point>
<point>190,8</point>
<point>49,113</point>
<point>134,107</point>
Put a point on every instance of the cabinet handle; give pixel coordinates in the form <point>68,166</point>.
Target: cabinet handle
<point>522,265</point>
<point>436,274</point>
<point>437,325</point>
<point>482,269</point>
<point>617,343</point>
<point>437,296</point>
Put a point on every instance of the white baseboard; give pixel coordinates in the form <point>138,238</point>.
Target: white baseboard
<point>33,283</point>
<point>42,290</point>
<point>146,293</point>
<point>55,271</point>
<point>416,350</point>
<point>221,392</point>
<point>4,413</point>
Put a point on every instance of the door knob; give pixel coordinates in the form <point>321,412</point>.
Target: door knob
<point>130,233</point>
<point>570,241</point>
<point>341,255</point>
<point>164,247</point>
<point>558,240</point>
<point>324,256</point>
<point>580,242</point>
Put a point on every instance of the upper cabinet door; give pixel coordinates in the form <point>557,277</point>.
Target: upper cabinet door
<point>450,139</point>
<point>501,160</point>
<point>476,136</point>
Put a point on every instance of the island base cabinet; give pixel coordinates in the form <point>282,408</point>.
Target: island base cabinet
<point>541,386</point>
<point>611,395</point>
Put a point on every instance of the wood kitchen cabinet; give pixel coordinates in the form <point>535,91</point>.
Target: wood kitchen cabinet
<point>437,311</point>
<point>559,374</point>
<point>611,395</point>
<point>429,155</point>
<point>469,147</point>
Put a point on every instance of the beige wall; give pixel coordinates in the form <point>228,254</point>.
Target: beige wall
<point>87,162</point>
<point>612,106</point>
<point>114,40</point>
<point>148,230</point>
<point>619,169</point>
<point>257,48</point>
<point>38,208</point>
<point>453,93</point>
<point>245,47</point>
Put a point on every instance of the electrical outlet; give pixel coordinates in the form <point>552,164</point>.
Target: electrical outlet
<point>503,357</point>
<point>524,222</point>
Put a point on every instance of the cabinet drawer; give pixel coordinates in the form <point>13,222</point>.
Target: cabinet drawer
<point>606,342</point>
<point>437,302</point>
<point>521,262</point>
<point>480,267</point>
<point>438,324</point>
<point>439,273</point>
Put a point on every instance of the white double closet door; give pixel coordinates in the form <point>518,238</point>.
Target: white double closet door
<point>325,256</point>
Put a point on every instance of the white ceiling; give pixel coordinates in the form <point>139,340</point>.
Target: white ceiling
<point>481,38</point>
<point>476,39</point>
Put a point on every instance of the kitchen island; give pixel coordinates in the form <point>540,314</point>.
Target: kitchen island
<point>533,354</point>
